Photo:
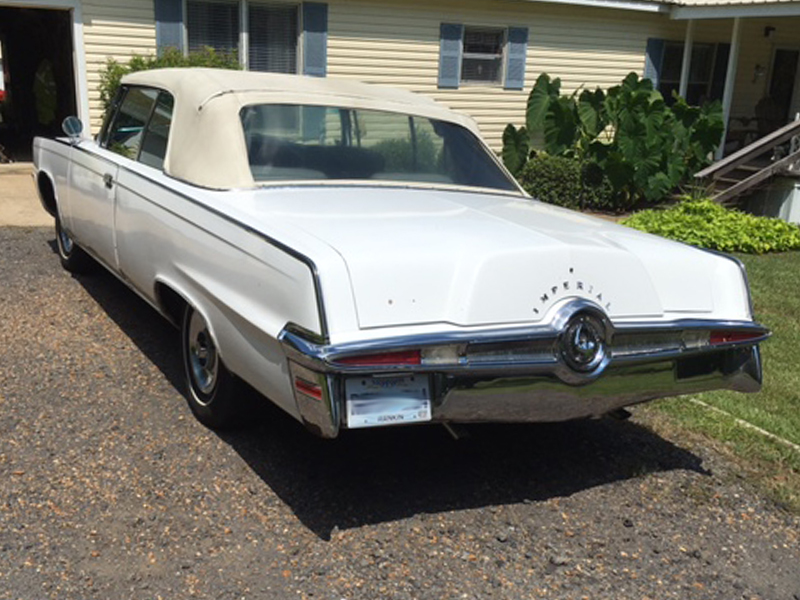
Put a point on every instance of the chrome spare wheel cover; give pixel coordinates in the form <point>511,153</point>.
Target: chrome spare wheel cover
<point>584,342</point>
<point>203,358</point>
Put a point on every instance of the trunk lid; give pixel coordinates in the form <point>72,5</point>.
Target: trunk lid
<point>469,259</point>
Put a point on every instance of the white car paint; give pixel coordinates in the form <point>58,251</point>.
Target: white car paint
<point>294,278</point>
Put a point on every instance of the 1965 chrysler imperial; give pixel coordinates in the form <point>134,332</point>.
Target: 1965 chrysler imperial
<point>360,257</point>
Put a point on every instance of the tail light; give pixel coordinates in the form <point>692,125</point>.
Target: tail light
<point>404,357</point>
<point>731,337</point>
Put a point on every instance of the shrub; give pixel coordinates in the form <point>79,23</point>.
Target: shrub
<point>707,224</point>
<point>645,148</point>
<point>111,74</point>
<point>566,182</point>
<point>401,156</point>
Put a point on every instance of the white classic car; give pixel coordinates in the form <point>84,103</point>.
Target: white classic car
<point>360,257</point>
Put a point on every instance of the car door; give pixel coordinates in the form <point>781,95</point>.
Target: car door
<point>142,218</point>
<point>95,170</point>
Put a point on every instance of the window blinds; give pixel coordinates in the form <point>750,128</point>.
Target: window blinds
<point>213,23</point>
<point>272,32</point>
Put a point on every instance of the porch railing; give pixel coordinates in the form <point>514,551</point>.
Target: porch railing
<point>777,153</point>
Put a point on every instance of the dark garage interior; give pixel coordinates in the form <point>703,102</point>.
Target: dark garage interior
<point>39,80</point>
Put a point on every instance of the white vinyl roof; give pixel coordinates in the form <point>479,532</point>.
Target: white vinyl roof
<point>207,146</point>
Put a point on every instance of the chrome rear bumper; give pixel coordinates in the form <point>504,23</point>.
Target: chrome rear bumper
<point>542,399</point>
<point>529,391</point>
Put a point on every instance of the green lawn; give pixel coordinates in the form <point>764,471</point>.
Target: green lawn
<point>775,286</point>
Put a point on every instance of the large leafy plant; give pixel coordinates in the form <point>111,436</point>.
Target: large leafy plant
<point>645,148</point>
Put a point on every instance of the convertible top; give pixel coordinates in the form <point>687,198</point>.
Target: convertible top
<point>207,145</point>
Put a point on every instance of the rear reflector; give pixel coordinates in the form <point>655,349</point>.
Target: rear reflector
<point>730,337</point>
<point>308,388</point>
<point>405,357</point>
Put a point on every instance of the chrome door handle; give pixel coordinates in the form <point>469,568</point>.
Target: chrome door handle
<point>108,180</point>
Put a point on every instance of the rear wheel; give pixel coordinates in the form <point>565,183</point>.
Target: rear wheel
<point>212,389</point>
<point>73,258</point>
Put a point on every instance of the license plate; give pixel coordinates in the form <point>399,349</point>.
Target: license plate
<point>390,400</point>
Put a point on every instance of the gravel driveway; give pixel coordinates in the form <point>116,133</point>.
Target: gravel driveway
<point>110,489</point>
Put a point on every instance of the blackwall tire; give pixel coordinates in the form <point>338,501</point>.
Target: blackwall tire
<point>73,258</point>
<point>211,390</point>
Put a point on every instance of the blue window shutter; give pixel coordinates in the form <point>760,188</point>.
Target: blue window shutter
<point>169,24</point>
<point>516,51</point>
<point>653,58</point>
<point>720,70</point>
<point>450,40</point>
<point>315,38</point>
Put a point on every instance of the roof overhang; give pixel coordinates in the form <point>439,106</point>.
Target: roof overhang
<point>637,5</point>
<point>730,11</point>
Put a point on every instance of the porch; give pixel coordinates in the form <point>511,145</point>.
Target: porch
<point>745,55</point>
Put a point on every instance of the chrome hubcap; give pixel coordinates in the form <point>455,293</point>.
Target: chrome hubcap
<point>203,358</point>
<point>66,241</point>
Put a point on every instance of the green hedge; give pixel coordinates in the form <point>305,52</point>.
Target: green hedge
<point>111,74</point>
<point>707,224</point>
<point>566,182</point>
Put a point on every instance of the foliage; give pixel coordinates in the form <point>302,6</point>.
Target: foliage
<point>774,280</point>
<point>708,225</point>
<point>516,147</point>
<point>401,156</point>
<point>645,148</point>
<point>566,182</point>
<point>113,71</point>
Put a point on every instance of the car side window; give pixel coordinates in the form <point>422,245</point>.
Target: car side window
<point>127,130</point>
<point>154,145</point>
<point>111,115</point>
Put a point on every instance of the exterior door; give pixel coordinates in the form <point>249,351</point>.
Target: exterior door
<point>782,82</point>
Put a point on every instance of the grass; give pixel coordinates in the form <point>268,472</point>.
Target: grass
<point>774,281</point>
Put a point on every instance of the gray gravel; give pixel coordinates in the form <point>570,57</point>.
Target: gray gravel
<point>110,489</point>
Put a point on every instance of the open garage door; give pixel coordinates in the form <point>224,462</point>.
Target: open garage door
<point>36,47</point>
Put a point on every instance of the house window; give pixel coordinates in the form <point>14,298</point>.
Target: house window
<point>707,70</point>
<point>213,24</point>
<point>484,55</point>
<point>700,72</point>
<point>482,59</point>
<point>273,37</point>
<point>268,30</point>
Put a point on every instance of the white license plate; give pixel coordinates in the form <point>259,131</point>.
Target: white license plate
<point>390,400</point>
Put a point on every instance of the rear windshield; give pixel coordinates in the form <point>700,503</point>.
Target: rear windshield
<point>290,142</point>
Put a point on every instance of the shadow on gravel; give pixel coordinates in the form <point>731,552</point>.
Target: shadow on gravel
<point>148,330</point>
<point>379,475</point>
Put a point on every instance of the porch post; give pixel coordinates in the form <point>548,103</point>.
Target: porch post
<point>730,77</point>
<point>687,58</point>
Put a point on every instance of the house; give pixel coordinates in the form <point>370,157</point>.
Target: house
<point>477,56</point>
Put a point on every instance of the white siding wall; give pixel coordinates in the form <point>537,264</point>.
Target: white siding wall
<point>114,29</point>
<point>397,43</point>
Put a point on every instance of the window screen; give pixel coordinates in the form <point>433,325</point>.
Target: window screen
<point>273,37</point>
<point>213,23</point>
<point>700,72</point>
<point>482,60</point>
